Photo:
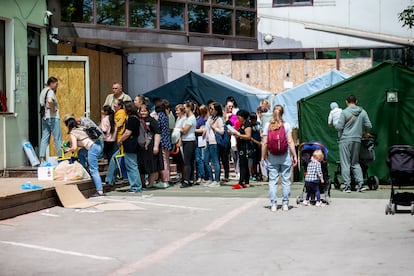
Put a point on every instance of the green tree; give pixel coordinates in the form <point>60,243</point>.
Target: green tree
<point>407,17</point>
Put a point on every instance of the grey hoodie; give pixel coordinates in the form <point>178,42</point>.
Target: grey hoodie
<point>352,122</point>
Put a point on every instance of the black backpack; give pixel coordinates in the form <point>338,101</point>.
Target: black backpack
<point>93,132</point>
<point>144,135</point>
<point>43,107</point>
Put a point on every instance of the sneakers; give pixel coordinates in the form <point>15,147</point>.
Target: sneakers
<point>273,208</point>
<point>361,189</point>
<point>133,191</point>
<point>185,184</point>
<point>161,185</point>
<point>285,207</point>
<point>205,183</point>
<point>346,190</point>
<point>319,204</point>
<point>237,186</point>
<point>213,184</point>
<point>198,181</point>
<point>97,194</point>
<point>306,202</point>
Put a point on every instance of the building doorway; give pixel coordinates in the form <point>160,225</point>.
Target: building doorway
<point>33,85</point>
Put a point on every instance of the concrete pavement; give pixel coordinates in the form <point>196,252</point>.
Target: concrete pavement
<point>209,234</point>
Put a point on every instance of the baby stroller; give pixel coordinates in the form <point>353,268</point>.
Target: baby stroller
<point>366,156</point>
<point>305,153</point>
<point>400,161</point>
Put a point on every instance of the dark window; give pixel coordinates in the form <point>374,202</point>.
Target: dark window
<point>246,3</point>
<point>33,39</point>
<point>355,53</point>
<point>320,55</point>
<point>257,56</point>
<point>223,17</point>
<point>77,11</point>
<point>198,19</point>
<point>222,21</point>
<point>3,99</point>
<point>381,55</point>
<point>292,2</point>
<point>143,13</point>
<point>223,2</point>
<point>172,16</point>
<point>268,56</point>
<point>245,23</point>
<point>110,12</point>
<point>402,55</point>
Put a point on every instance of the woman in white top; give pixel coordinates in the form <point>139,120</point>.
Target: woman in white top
<point>279,165</point>
<point>176,152</point>
<point>188,140</point>
<point>214,125</point>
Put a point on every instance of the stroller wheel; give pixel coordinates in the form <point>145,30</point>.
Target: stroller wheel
<point>412,209</point>
<point>373,182</point>
<point>393,209</point>
<point>387,209</point>
<point>337,184</point>
<point>298,200</point>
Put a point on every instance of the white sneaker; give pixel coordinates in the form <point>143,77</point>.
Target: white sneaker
<point>320,204</point>
<point>306,202</point>
<point>273,208</point>
<point>285,207</point>
<point>205,183</point>
<point>213,184</point>
<point>161,185</point>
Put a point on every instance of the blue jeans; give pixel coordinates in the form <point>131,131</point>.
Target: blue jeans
<point>50,126</point>
<point>274,171</point>
<point>131,165</point>
<point>212,154</point>
<point>112,172</point>
<point>83,154</point>
<point>82,157</point>
<point>200,162</point>
<point>93,155</point>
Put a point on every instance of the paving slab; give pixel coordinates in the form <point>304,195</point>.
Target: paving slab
<point>210,235</point>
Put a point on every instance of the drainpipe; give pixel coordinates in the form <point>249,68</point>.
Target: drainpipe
<point>361,34</point>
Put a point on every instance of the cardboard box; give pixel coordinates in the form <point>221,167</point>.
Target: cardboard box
<point>46,173</point>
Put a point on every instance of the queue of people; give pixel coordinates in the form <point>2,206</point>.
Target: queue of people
<point>195,139</point>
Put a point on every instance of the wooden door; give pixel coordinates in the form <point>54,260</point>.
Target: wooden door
<point>73,90</point>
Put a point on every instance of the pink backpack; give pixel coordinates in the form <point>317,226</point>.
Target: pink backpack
<point>277,143</point>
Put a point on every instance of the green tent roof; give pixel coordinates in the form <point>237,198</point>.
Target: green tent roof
<point>392,122</point>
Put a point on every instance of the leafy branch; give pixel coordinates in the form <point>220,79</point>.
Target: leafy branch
<point>407,17</point>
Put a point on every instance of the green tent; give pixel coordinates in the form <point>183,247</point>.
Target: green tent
<point>376,90</point>
<point>202,87</point>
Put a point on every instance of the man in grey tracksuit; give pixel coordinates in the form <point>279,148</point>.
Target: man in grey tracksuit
<point>353,122</point>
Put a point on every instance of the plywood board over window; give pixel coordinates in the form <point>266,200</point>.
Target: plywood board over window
<point>72,94</point>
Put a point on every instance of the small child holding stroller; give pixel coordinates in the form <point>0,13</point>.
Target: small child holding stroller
<point>312,178</point>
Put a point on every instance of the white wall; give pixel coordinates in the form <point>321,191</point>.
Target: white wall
<point>147,71</point>
<point>287,23</point>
